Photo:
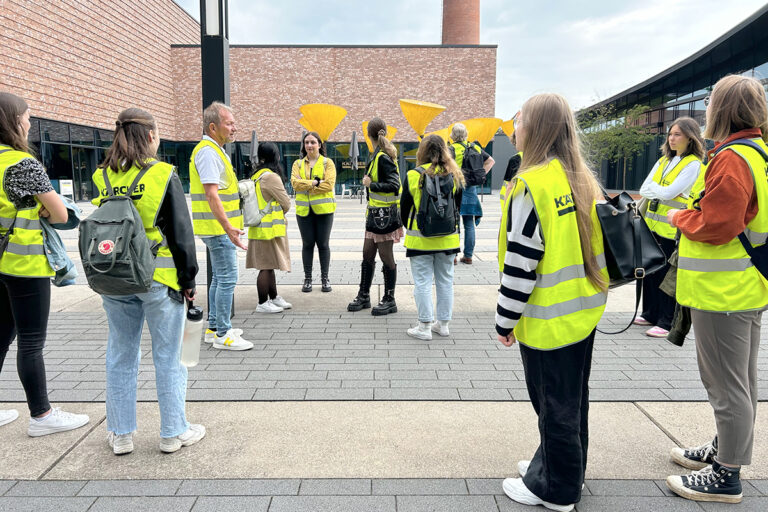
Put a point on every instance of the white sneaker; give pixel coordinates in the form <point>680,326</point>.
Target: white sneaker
<point>517,491</point>
<point>193,434</point>
<point>522,467</point>
<point>231,341</point>
<point>441,327</point>
<point>210,334</point>
<point>8,416</point>
<point>279,301</point>
<point>120,444</point>
<point>56,421</point>
<point>268,307</point>
<point>421,331</point>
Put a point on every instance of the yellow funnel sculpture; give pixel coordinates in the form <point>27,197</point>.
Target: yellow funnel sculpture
<point>508,127</point>
<point>391,131</point>
<point>419,114</point>
<point>303,122</point>
<point>445,133</point>
<point>323,118</point>
<point>482,129</point>
<point>343,149</point>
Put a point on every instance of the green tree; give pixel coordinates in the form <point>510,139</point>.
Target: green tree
<point>615,137</point>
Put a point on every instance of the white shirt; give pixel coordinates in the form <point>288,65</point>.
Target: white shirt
<point>682,184</point>
<point>210,166</point>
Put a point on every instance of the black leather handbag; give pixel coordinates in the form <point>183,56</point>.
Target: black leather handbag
<point>631,251</point>
<point>382,219</point>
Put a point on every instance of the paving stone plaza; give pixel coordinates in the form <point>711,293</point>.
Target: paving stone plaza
<point>336,411</point>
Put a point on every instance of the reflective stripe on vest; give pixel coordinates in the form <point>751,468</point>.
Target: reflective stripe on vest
<point>203,220</point>
<point>379,199</point>
<point>25,254</point>
<point>413,237</point>
<point>272,224</point>
<point>657,219</point>
<point>565,306</point>
<point>148,197</point>
<point>722,277</point>
<point>320,202</point>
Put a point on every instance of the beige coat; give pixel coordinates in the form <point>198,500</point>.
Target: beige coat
<point>275,253</point>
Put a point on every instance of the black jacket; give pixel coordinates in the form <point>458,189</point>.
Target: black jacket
<point>175,224</point>
<point>388,175</point>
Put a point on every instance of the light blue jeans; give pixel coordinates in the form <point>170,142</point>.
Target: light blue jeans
<point>165,319</point>
<point>424,268</point>
<point>470,222</point>
<point>223,254</point>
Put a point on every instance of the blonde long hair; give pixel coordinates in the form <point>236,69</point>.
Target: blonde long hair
<point>432,150</point>
<point>377,132</point>
<point>550,131</point>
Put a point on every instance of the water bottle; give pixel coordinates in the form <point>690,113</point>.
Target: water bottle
<point>190,340</point>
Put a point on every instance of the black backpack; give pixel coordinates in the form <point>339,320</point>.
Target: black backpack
<point>472,165</point>
<point>437,214</point>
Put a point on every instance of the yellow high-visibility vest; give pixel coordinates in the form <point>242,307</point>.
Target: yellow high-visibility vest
<point>380,199</point>
<point>203,221</point>
<point>413,237</point>
<point>657,219</point>
<point>722,277</point>
<point>565,306</point>
<point>321,202</point>
<point>25,254</point>
<point>147,197</point>
<point>273,222</point>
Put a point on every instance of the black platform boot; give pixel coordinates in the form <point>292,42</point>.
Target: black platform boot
<point>307,286</point>
<point>387,304</point>
<point>326,285</point>
<point>363,299</point>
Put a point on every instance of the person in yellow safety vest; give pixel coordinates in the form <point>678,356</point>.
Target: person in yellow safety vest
<point>552,295</point>
<point>161,203</point>
<point>313,177</point>
<point>726,292</point>
<point>26,194</point>
<point>268,242</point>
<point>218,221</point>
<point>471,209</point>
<point>431,257</point>
<point>382,182</point>
<point>668,186</point>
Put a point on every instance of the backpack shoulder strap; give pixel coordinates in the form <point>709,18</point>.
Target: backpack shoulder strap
<point>105,174</point>
<point>146,167</point>
<point>745,142</point>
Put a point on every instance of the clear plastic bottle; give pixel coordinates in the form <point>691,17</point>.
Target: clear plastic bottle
<point>193,332</point>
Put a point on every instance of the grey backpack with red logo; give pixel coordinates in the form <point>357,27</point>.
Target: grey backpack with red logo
<point>117,256</point>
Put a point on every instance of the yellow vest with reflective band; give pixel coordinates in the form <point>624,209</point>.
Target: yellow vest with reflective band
<point>203,221</point>
<point>273,223</point>
<point>502,247</point>
<point>413,237</point>
<point>380,199</point>
<point>321,202</point>
<point>458,149</point>
<point>503,191</point>
<point>564,306</point>
<point>147,197</point>
<point>698,186</point>
<point>25,254</point>
<point>722,277</point>
<point>657,219</point>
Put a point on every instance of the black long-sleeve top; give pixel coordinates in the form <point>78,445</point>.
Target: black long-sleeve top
<point>175,224</point>
<point>406,204</point>
<point>388,177</point>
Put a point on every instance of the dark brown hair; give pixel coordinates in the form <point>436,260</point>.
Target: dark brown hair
<point>432,150</point>
<point>736,103</point>
<point>12,107</point>
<point>131,144</point>
<point>690,129</point>
<point>315,135</point>
<point>377,132</point>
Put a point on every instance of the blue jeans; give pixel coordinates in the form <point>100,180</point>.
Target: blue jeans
<point>440,266</point>
<point>223,254</point>
<point>470,221</point>
<point>165,319</point>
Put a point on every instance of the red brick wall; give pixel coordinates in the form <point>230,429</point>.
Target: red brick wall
<point>269,84</point>
<point>461,21</point>
<point>83,61</point>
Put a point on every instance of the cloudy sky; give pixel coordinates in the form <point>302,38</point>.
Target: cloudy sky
<point>587,50</point>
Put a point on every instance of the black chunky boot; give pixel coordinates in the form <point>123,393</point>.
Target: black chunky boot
<point>387,304</point>
<point>307,286</point>
<point>363,299</point>
<point>326,285</point>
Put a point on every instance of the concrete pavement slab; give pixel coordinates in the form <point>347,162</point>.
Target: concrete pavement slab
<point>56,504</point>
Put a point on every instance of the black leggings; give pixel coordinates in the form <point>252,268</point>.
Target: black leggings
<point>315,230</point>
<point>266,286</point>
<point>385,252</point>
<point>24,306</point>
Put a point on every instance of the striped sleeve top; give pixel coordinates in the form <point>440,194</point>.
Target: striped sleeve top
<point>525,248</point>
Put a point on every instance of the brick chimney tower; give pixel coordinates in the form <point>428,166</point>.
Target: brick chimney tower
<point>461,21</point>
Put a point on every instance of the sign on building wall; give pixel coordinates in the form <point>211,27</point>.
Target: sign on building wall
<point>67,189</point>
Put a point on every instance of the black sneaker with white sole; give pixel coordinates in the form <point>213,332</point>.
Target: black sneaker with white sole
<point>713,483</point>
<point>695,458</point>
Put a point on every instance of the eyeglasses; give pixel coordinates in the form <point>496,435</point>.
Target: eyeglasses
<point>706,101</point>
<point>518,120</point>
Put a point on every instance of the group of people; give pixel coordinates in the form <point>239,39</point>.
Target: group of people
<point>553,280</point>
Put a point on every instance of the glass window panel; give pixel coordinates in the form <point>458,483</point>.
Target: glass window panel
<point>103,138</point>
<point>52,131</point>
<point>57,160</point>
<point>761,71</point>
<point>34,132</point>
<point>81,135</point>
